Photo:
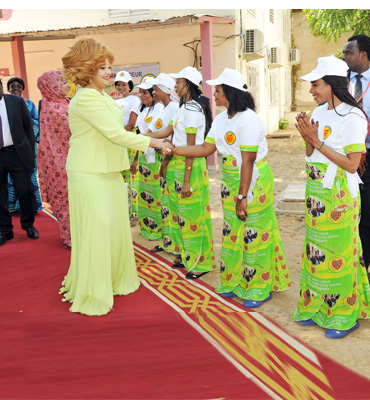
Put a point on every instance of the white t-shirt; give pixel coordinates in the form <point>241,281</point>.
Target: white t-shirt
<point>145,117</point>
<point>189,120</point>
<point>164,117</point>
<point>244,132</point>
<point>129,104</point>
<point>339,132</point>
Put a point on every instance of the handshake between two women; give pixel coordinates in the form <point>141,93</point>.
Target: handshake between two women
<point>164,147</point>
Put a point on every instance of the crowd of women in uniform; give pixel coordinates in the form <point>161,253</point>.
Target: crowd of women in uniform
<point>159,143</point>
<point>253,263</point>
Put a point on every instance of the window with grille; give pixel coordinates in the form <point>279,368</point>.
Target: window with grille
<point>253,83</point>
<point>272,16</point>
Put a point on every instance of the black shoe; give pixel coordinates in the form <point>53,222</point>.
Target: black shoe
<point>5,236</point>
<point>178,264</point>
<point>190,275</point>
<point>157,249</point>
<point>32,233</point>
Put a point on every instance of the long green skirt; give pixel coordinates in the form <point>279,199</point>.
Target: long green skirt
<point>149,198</point>
<point>129,180</point>
<point>252,257</point>
<point>334,289</point>
<point>102,258</point>
<point>134,182</point>
<point>194,217</point>
<point>171,237</point>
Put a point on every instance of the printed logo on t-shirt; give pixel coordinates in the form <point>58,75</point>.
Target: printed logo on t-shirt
<point>230,137</point>
<point>158,123</point>
<point>327,131</point>
<point>148,118</point>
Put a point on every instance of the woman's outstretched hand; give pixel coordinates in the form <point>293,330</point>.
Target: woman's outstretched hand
<point>167,148</point>
<point>164,147</point>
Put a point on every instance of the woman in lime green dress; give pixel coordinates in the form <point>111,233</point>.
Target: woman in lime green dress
<point>102,259</point>
<point>252,258</point>
<point>334,289</point>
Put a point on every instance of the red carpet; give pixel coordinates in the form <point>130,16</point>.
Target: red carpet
<point>172,339</point>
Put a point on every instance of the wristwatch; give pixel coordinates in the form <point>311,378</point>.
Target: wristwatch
<point>241,197</point>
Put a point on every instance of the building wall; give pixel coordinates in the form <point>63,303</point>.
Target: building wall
<point>311,48</point>
<point>43,20</point>
<point>272,90</point>
<point>165,45</point>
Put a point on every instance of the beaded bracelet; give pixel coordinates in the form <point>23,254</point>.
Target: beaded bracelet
<point>322,144</point>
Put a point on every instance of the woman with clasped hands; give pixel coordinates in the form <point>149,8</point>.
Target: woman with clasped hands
<point>102,258</point>
<point>334,290</point>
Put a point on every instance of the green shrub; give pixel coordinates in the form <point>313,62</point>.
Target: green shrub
<point>283,123</point>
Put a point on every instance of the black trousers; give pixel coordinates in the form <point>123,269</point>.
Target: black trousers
<point>364,227</point>
<point>10,163</point>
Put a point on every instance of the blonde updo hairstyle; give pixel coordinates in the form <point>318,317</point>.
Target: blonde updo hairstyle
<point>84,59</point>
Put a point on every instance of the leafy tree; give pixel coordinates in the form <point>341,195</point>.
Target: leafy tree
<point>330,24</point>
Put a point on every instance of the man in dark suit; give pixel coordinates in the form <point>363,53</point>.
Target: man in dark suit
<point>356,54</point>
<point>17,157</point>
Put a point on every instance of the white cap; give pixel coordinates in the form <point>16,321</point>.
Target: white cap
<point>189,73</point>
<point>146,83</point>
<point>230,77</point>
<point>123,76</point>
<point>327,66</point>
<point>164,80</point>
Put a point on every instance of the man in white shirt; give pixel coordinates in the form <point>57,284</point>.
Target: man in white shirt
<point>356,54</point>
<point>17,158</point>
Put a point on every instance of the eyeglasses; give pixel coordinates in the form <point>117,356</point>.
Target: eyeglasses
<point>16,86</point>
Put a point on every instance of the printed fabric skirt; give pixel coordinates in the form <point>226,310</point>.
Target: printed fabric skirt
<point>171,237</point>
<point>334,289</point>
<point>252,257</point>
<point>194,224</point>
<point>134,188</point>
<point>149,198</point>
<point>13,202</point>
<point>102,256</point>
<point>131,184</point>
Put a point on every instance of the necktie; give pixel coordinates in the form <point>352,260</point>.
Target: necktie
<point>1,134</point>
<point>358,88</point>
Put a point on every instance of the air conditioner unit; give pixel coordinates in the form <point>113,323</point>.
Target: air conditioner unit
<point>275,57</point>
<point>295,57</point>
<point>253,44</point>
